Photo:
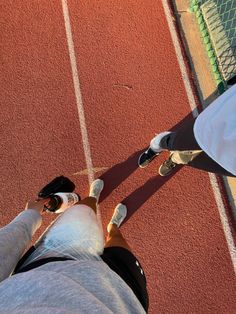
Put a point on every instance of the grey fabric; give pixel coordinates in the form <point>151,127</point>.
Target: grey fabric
<point>83,286</point>
<point>14,239</point>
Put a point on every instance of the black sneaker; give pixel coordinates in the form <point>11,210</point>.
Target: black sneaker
<point>167,167</point>
<point>146,157</point>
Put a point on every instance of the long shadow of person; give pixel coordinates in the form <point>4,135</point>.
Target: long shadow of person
<point>137,198</point>
<point>120,172</point>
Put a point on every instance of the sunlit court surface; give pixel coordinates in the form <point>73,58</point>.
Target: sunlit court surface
<point>84,87</point>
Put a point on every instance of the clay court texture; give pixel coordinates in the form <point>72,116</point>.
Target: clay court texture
<point>84,87</point>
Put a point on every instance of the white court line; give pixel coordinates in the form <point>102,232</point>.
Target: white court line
<point>79,102</point>
<point>192,103</point>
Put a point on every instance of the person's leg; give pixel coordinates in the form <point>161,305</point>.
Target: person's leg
<point>181,140</point>
<point>176,158</point>
<point>204,162</point>
<point>186,151</point>
<point>63,237</point>
<point>114,237</point>
<point>119,257</point>
<point>182,145</point>
<point>184,157</point>
<point>196,159</point>
<point>71,215</point>
<point>90,201</point>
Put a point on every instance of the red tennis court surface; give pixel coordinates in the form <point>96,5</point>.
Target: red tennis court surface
<point>132,88</point>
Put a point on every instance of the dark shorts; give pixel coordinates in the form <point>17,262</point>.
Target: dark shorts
<point>120,260</point>
<point>126,265</point>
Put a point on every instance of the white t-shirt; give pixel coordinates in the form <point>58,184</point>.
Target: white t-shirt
<point>215,130</point>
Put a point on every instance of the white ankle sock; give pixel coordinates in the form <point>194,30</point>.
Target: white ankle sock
<point>155,142</point>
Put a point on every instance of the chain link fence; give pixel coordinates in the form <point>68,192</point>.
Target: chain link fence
<point>217,22</point>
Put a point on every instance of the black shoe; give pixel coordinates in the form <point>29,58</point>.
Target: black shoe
<point>146,157</point>
<point>167,167</point>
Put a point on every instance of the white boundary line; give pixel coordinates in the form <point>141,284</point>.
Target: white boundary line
<point>79,102</point>
<point>192,103</point>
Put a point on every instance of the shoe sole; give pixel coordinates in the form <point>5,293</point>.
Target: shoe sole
<point>164,175</point>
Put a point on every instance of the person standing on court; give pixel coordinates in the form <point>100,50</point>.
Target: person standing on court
<point>70,270</point>
<point>207,142</point>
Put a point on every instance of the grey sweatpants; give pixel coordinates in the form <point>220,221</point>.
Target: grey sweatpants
<point>75,234</point>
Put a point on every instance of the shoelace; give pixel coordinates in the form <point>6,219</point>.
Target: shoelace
<point>118,217</point>
<point>169,163</point>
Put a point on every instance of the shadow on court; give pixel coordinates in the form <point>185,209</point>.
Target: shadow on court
<point>120,172</point>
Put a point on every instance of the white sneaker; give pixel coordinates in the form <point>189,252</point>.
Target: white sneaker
<point>155,142</point>
<point>119,215</point>
<point>96,188</point>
